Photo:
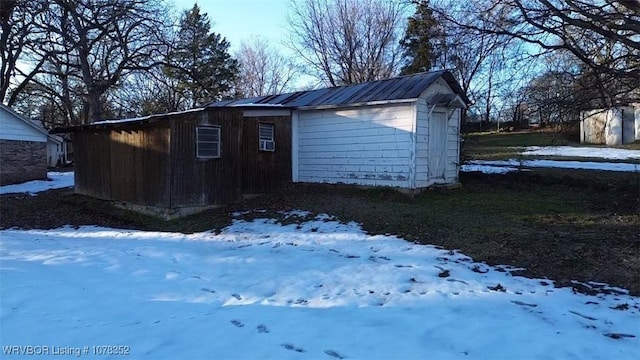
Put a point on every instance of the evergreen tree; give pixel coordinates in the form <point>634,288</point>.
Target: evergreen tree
<point>200,61</point>
<point>421,32</point>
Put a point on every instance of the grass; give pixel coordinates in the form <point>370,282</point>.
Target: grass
<point>564,225</point>
<point>526,138</point>
<point>561,224</point>
<point>502,146</point>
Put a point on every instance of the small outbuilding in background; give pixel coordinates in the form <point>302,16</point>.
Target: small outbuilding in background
<point>614,126</point>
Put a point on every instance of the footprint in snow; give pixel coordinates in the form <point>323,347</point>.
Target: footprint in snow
<point>619,335</point>
<point>262,329</point>
<point>582,315</point>
<point>517,302</point>
<point>237,323</point>
<point>479,270</point>
<point>456,280</point>
<point>292,348</point>
<point>334,354</point>
<point>298,302</point>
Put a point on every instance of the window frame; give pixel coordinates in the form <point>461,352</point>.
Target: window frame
<point>272,138</point>
<point>198,141</point>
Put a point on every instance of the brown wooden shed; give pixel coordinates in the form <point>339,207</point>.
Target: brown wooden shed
<point>179,163</point>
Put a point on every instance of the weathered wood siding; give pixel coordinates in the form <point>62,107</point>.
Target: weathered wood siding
<point>140,169</point>
<point>156,163</point>
<point>265,170</point>
<point>201,182</point>
<point>93,163</point>
<point>130,166</point>
<point>371,145</point>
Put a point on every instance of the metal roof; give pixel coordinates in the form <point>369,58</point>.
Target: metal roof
<point>395,89</point>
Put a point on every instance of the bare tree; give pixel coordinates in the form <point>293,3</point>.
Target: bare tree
<point>148,92</point>
<point>604,35</point>
<point>348,41</point>
<point>475,59</point>
<point>109,40</point>
<point>263,70</point>
<point>21,33</point>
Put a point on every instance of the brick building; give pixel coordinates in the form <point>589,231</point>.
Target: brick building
<point>23,149</point>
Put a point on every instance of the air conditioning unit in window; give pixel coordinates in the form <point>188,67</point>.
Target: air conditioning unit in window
<point>267,145</point>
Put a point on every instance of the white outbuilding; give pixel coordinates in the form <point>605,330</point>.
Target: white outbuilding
<point>402,132</point>
<point>615,126</point>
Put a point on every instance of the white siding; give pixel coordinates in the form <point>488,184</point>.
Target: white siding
<point>424,115</point>
<point>628,125</point>
<point>439,86</point>
<point>371,145</point>
<point>611,127</point>
<point>453,146</point>
<point>637,120</point>
<point>55,150</point>
<point>14,128</point>
<point>422,144</point>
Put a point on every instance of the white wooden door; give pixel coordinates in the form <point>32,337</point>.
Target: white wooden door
<point>437,145</point>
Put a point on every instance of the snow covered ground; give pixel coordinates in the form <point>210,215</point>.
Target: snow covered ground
<point>57,180</point>
<point>487,169</point>
<point>587,152</point>
<point>260,290</point>
<point>505,166</point>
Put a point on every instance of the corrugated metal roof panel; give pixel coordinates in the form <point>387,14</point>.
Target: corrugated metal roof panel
<point>404,87</point>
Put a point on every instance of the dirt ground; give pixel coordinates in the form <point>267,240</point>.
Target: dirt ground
<point>582,226</point>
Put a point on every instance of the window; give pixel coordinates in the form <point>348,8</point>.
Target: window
<point>208,142</point>
<point>266,138</point>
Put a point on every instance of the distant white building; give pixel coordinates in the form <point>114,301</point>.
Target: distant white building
<point>615,126</point>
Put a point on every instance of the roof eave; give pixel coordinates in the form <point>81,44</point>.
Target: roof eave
<point>11,111</point>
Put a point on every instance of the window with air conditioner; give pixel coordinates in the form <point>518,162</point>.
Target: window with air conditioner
<point>266,137</point>
<point>207,142</point>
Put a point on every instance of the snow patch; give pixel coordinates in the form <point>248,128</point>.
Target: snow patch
<point>57,180</point>
<point>587,152</point>
<point>558,164</point>
<point>317,289</point>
